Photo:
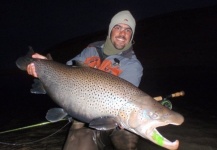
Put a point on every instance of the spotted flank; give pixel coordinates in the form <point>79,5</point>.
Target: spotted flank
<point>101,99</point>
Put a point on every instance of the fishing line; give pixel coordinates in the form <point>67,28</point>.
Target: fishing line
<point>27,143</point>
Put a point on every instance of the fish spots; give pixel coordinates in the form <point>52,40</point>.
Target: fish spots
<point>122,115</point>
<point>87,89</point>
<point>86,93</point>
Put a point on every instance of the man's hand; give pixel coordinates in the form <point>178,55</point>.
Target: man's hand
<point>31,67</point>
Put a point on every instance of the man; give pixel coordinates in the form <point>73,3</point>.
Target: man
<point>115,56</point>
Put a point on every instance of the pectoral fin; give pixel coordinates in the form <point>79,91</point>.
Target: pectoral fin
<point>55,114</point>
<point>104,123</point>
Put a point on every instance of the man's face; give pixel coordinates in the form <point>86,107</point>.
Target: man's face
<point>121,35</point>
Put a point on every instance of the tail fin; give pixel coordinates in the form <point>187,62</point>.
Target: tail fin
<point>23,61</point>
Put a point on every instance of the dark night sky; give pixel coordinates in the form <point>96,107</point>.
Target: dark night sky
<point>42,24</point>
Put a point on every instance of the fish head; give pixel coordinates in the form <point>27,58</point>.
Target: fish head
<point>145,115</point>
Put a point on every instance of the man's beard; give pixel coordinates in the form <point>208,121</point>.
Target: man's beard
<point>117,45</point>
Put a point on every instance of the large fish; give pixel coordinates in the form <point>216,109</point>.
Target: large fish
<point>103,100</point>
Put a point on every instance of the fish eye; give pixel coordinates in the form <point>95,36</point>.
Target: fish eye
<point>154,115</point>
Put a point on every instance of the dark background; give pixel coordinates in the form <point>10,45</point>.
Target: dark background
<point>43,24</point>
<point>175,41</point>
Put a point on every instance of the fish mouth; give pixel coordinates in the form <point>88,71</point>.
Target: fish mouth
<point>153,135</point>
<point>157,138</point>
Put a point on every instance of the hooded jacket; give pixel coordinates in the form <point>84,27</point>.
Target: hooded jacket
<point>125,64</point>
